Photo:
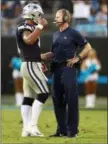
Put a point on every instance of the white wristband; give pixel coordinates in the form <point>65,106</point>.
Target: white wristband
<point>40,26</point>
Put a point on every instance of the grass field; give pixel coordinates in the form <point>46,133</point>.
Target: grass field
<point>93,124</point>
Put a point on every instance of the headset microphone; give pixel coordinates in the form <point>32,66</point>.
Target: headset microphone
<point>57,22</point>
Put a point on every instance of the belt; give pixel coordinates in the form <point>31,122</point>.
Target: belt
<point>63,64</point>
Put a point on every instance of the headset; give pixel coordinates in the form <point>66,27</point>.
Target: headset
<point>65,15</point>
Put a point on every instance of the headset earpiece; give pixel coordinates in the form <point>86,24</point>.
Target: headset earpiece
<point>65,16</point>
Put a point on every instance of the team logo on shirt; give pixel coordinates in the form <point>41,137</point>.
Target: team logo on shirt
<point>65,37</point>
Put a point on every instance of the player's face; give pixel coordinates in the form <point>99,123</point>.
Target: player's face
<point>59,18</point>
<point>31,22</point>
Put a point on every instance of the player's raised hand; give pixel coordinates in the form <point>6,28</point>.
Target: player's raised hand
<point>43,22</point>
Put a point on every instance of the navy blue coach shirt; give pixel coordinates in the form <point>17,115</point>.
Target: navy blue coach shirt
<point>65,44</point>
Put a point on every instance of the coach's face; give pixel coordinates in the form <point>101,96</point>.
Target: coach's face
<point>59,18</point>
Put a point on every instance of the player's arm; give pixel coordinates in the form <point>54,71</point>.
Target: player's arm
<point>31,37</point>
<point>47,56</point>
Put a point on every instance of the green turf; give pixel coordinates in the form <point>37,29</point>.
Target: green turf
<point>92,128</point>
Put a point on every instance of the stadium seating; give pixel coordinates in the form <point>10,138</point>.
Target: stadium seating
<point>91,30</point>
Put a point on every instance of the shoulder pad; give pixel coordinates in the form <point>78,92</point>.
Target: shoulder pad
<point>25,27</point>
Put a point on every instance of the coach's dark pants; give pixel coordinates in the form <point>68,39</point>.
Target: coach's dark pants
<point>65,99</point>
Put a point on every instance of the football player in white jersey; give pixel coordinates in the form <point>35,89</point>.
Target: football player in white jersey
<point>34,82</point>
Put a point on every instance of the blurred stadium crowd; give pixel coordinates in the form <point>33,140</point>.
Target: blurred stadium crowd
<point>88,16</point>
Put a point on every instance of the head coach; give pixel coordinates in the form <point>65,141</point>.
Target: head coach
<point>63,65</point>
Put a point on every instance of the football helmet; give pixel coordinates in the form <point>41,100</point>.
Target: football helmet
<point>32,11</point>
